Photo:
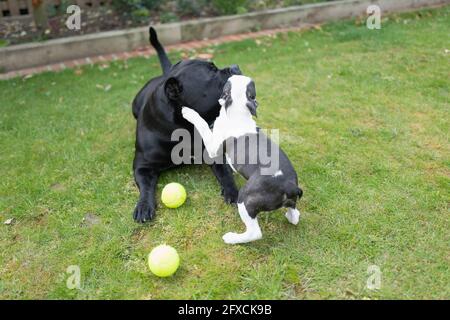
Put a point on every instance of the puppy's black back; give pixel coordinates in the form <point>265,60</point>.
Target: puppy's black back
<point>272,180</point>
<point>253,153</point>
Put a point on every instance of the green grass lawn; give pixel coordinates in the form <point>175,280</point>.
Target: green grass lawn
<point>363,115</point>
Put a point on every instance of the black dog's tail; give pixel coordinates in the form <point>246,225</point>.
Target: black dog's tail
<point>163,59</point>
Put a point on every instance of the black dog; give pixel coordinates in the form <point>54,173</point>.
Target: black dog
<point>157,109</point>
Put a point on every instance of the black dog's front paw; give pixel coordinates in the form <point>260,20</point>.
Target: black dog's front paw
<point>230,195</point>
<point>143,212</point>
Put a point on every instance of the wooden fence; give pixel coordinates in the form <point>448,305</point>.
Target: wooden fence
<point>24,8</point>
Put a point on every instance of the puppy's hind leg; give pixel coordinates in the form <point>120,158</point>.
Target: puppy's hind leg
<point>252,232</point>
<point>293,215</point>
<point>293,193</point>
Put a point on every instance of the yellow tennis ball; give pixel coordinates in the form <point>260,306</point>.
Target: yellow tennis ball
<point>163,261</point>
<point>173,195</point>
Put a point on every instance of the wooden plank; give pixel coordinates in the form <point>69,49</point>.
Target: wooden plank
<point>22,19</point>
<point>13,7</point>
<point>30,7</point>
<point>81,3</point>
<point>23,5</point>
<point>3,5</point>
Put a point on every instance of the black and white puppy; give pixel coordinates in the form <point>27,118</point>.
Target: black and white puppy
<point>271,184</point>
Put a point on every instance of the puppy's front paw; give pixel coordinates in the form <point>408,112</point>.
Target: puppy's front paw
<point>231,238</point>
<point>235,238</point>
<point>293,216</point>
<point>143,212</point>
<point>189,114</point>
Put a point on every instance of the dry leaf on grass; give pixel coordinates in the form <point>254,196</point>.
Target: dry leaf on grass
<point>205,56</point>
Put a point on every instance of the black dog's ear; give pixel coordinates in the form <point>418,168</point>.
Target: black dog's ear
<point>225,99</point>
<point>173,88</point>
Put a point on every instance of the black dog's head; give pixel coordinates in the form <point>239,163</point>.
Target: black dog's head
<point>198,84</point>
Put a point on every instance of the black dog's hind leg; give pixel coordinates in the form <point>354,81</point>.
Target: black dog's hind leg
<point>146,180</point>
<point>225,177</point>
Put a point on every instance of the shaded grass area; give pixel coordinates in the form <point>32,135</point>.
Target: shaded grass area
<point>363,116</point>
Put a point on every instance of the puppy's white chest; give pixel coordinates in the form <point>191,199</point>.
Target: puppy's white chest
<point>235,128</point>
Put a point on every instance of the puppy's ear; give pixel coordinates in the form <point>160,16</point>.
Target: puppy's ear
<point>252,105</point>
<point>173,88</point>
<point>225,99</point>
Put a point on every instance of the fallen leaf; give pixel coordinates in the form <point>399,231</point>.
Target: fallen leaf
<point>205,56</point>
<point>90,219</point>
<point>349,292</point>
<point>58,187</point>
